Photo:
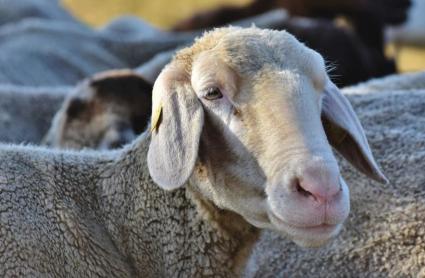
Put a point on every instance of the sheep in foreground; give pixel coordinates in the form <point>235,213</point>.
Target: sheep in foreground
<point>234,148</point>
<point>26,112</point>
<point>106,111</point>
<point>385,234</point>
<point>365,237</point>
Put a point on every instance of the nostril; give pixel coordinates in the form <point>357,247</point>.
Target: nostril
<point>321,181</point>
<point>317,191</point>
<point>302,191</point>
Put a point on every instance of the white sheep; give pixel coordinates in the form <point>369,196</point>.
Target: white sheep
<point>236,145</point>
<point>385,234</point>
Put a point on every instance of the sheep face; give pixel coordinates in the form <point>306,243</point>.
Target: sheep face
<point>105,112</point>
<point>243,123</point>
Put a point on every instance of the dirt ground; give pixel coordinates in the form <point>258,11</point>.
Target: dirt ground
<point>164,13</point>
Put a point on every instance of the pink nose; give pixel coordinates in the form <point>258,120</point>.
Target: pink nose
<point>319,182</point>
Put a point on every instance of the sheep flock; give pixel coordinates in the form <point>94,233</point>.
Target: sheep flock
<point>188,159</point>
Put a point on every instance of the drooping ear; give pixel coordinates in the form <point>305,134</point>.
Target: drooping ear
<point>177,122</point>
<point>345,133</point>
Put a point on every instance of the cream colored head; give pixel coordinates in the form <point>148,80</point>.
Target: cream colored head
<point>104,112</point>
<point>241,121</point>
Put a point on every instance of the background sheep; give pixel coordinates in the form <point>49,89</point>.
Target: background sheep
<point>385,234</point>
<point>81,214</point>
<point>108,110</point>
<point>26,112</point>
<point>62,53</point>
<point>104,112</point>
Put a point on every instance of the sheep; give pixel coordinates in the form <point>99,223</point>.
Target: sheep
<point>104,112</point>
<point>107,110</point>
<point>235,145</point>
<point>385,235</point>
<point>26,112</point>
<point>362,214</point>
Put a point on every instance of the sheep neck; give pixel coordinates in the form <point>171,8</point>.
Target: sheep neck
<point>167,232</point>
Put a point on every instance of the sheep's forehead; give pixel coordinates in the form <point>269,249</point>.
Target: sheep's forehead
<point>250,50</point>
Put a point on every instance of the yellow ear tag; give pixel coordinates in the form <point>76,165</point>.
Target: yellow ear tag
<point>156,118</point>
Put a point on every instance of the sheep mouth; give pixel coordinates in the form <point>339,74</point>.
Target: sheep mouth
<point>307,236</point>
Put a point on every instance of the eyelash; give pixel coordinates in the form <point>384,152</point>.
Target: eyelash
<point>213,93</point>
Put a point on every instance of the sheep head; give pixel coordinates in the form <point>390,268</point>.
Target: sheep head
<point>238,115</point>
<point>104,112</point>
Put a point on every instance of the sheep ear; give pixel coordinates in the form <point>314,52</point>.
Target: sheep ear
<point>345,133</point>
<point>176,127</point>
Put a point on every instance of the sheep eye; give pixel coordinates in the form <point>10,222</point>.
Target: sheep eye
<point>213,93</point>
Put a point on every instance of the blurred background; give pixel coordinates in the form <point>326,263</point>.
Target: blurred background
<point>161,13</point>
<point>166,13</point>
